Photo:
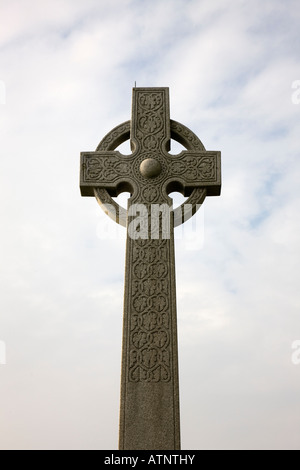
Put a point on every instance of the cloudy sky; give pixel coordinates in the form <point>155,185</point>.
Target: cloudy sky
<point>67,68</point>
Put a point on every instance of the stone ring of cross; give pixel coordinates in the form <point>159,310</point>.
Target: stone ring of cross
<point>149,167</point>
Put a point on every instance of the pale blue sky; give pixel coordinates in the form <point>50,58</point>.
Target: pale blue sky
<point>69,67</point>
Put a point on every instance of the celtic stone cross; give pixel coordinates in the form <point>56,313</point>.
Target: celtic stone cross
<point>149,411</point>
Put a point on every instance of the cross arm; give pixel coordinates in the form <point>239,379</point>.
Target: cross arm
<point>104,170</point>
<point>192,170</point>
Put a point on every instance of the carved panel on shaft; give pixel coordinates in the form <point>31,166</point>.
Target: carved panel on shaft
<point>150,123</point>
<point>149,338</point>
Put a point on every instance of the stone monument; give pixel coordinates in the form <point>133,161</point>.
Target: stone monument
<point>149,410</point>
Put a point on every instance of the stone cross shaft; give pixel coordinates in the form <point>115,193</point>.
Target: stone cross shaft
<point>149,410</point>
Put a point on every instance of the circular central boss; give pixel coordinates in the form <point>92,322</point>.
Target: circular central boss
<point>150,168</point>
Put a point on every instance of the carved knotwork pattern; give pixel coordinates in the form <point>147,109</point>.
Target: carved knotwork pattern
<point>190,167</point>
<point>149,339</point>
<point>150,123</point>
<point>196,169</point>
<point>104,169</point>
